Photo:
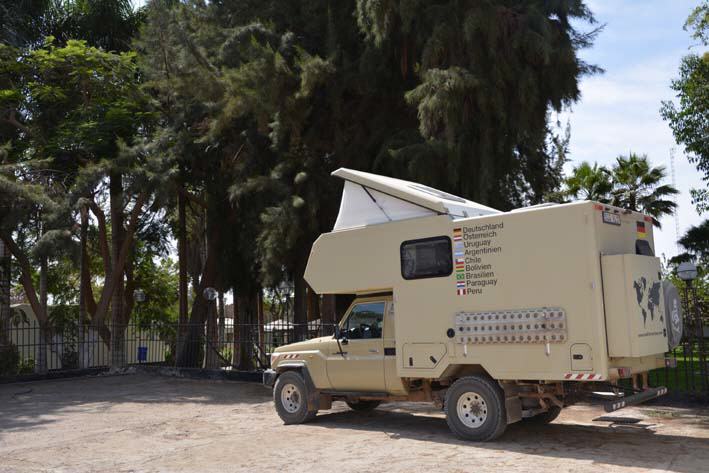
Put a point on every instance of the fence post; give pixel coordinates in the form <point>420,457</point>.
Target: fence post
<point>702,353</point>
<point>5,309</point>
<point>211,360</point>
<point>118,347</point>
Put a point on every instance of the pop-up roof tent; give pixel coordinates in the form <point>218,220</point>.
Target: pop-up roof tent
<point>369,199</point>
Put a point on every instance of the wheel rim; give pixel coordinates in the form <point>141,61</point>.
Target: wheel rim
<point>291,398</point>
<point>472,409</point>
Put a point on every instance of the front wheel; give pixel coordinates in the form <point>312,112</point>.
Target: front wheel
<point>290,395</point>
<point>475,409</point>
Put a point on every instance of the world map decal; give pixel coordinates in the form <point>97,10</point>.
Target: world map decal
<point>648,297</point>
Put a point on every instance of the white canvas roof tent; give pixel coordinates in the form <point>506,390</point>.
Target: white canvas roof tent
<point>369,199</point>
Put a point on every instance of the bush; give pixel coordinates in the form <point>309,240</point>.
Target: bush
<point>226,353</point>
<point>25,366</point>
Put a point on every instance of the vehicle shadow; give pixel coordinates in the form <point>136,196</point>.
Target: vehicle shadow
<point>598,444</point>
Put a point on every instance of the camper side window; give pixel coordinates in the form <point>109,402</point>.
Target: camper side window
<point>426,258</point>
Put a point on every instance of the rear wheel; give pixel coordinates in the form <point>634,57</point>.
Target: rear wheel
<point>290,394</point>
<point>363,406</point>
<point>475,408</point>
<point>545,417</point>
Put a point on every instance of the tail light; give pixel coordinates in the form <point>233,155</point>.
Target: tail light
<point>625,372</point>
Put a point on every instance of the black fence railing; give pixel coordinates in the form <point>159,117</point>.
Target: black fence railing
<point>686,372</point>
<point>27,348</point>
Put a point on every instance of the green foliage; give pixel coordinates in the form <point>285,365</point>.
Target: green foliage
<point>246,107</point>
<point>698,22</point>
<point>638,186</point>
<point>689,118</point>
<point>483,76</point>
<point>696,242</point>
<point>158,280</point>
<point>632,183</point>
<point>590,183</point>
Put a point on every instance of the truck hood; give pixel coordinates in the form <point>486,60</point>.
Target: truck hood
<point>311,344</point>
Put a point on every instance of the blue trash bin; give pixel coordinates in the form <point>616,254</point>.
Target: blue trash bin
<point>142,354</point>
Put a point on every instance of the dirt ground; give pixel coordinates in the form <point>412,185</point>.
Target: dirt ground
<point>150,423</point>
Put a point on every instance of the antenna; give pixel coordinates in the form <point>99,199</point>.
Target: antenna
<point>676,199</point>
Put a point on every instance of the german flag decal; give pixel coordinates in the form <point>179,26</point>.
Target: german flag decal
<point>642,233</point>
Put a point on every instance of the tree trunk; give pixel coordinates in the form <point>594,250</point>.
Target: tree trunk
<point>117,325</point>
<point>342,303</point>
<point>313,308</point>
<point>26,277</point>
<point>300,297</point>
<point>182,268</point>
<point>5,308</point>
<point>84,283</point>
<point>43,324</point>
<point>222,321</point>
<point>211,360</point>
<point>236,333</point>
<point>261,322</point>
<point>190,356</point>
<point>246,317</point>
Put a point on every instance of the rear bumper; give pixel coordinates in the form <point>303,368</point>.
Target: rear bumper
<point>625,401</point>
<point>269,378</point>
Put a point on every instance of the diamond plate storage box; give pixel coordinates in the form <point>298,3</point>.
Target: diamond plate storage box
<point>635,314</point>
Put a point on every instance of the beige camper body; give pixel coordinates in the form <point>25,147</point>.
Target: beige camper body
<point>494,316</point>
<point>513,263</point>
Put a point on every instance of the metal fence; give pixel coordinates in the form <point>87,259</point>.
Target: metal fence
<point>30,349</point>
<point>686,371</point>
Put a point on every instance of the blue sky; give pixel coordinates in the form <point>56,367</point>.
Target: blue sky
<point>640,49</point>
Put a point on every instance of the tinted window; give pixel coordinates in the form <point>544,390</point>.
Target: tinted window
<point>365,321</point>
<point>426,258</point>
<point>642,247</point>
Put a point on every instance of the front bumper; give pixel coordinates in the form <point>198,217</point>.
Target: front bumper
<point>269,378</point>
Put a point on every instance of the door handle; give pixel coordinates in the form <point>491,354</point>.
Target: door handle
<point>373,350</point>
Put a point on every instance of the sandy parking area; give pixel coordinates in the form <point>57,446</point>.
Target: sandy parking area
<point>151,423</point>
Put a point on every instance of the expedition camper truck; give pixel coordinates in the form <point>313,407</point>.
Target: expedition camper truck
<point>494,316</point>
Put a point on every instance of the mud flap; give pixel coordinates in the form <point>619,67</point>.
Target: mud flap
<point>513,406</point>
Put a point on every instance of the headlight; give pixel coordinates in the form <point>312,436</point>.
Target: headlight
<point>274,358</point>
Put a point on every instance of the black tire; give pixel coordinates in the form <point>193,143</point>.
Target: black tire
<point>296,411</point>
<point>363,406</point>
<point>545,417</point>
<point>485,404</point>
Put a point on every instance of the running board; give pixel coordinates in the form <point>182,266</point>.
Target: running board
<point>619,403</point>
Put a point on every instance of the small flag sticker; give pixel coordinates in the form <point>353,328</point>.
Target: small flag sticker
<point>458,254</point>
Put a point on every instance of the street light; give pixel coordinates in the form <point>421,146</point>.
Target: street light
<point>139,295</point>
<point>211,361</point>
<point>210,294</point>
<point>687,272</point>
<point>139,298</point>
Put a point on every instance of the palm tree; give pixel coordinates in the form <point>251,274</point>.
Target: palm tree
<point>589,183</point>
<point>638,186</point>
